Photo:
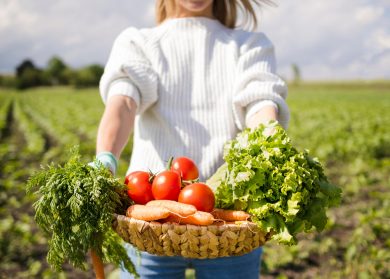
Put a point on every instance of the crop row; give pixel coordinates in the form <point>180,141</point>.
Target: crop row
<point>342,125</point>
<point>57,121</point>
<point>69,119</point>
<point>4,108</point>
<point>33,134</point>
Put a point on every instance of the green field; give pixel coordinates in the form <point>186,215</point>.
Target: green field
<point>346,125</point>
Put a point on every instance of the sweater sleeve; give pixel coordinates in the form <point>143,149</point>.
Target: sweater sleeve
<point>128,72</point>
<point>257,82</point>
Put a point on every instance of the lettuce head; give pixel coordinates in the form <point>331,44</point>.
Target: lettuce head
<point>285,190</point>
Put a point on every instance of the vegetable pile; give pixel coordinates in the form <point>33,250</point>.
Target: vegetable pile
<point>285,191</point>
<point>75,207</point>
<point>175,195</point>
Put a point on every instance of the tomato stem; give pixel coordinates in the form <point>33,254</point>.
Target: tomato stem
<point>151,176</point>
<point>188,182</point>
<point>169,165</point>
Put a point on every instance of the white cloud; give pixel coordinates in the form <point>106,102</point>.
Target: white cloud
<point>368,14</point>
<point>80,32</point>
<point>327,39</point>
<point>382,38</point>
<point>13,15</point>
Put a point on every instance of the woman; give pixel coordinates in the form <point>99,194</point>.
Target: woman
<point>184,88</point>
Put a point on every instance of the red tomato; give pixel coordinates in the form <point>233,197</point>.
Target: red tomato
<point>166,185</point>
<point>199,195</point>
<point>185,167</point>
<point>139,188</point>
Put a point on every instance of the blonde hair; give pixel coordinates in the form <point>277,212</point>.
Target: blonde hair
<point>223,10</point>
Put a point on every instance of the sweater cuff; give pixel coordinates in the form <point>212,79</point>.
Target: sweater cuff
<point>124,87</point>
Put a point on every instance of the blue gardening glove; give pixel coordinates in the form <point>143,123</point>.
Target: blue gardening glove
<point>108,160</point>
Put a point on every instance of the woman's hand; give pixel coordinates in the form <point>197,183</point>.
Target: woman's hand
<point>264,116</point>
<point>108,160</point>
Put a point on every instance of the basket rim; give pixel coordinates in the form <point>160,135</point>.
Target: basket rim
<point>220,226</point>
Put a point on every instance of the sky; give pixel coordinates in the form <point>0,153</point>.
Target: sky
<point>328,40</point>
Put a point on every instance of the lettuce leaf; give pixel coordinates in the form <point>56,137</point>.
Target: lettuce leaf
<point>285,191</point>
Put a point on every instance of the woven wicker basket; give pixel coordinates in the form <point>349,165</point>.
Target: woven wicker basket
<point>171,239</point>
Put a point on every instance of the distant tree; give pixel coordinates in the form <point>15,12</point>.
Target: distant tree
<point>8,81</point>
<point>27,75</point>
<point>25,65</point>
<point>88,76</point>
<point>296,73</point>
<point>55,71</point>
<point>29,78</point>
<point>70,76</point>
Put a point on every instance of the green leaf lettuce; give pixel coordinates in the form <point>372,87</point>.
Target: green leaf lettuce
<point>285,191</point>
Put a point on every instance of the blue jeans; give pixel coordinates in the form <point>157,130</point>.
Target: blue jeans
<point>150,266</point>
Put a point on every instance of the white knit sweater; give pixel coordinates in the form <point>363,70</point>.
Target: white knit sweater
<point>195,83</point>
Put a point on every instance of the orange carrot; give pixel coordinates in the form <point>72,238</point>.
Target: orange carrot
<point>230,215</point>
<point>97,265</point>
<point>178,208</point>
<point>198,218</point>
<point>147,213</point>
